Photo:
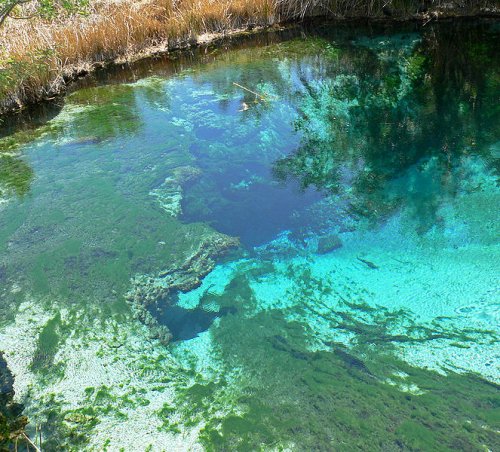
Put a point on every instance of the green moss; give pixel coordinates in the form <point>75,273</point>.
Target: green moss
<point>416,436</point>
<point>68,430</point>
<point>164,414</point>
<point>112,112</point>
<point>89,391</point>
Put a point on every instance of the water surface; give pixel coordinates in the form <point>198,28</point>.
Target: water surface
<point>186,265</point>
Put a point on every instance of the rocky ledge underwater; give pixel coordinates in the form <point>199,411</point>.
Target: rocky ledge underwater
<point>287,244</point>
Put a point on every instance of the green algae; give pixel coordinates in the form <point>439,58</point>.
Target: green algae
<point>322,399</point>
<point>68,430</point>
<point>286,395</point>
<point>92,263</point>
<point>107,112</point>
<point>15,175</point>
<point>73,428</point>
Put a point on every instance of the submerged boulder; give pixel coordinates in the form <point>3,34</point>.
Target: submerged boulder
<point>148,290</point>
<point>329,243</point>
<point>12,423</point>
<point>169,193</point>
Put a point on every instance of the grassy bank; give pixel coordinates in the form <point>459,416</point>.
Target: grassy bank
<point>40,55</point>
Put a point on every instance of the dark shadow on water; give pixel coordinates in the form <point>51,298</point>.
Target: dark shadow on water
<point>29,118</point>
<point>243,201</point>
<point>185,324</point>
<point>11,419</point>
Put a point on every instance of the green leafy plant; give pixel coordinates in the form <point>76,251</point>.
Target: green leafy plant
<point>42,8</point>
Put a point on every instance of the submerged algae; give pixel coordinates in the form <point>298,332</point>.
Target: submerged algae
<point>55,254</point>
<point>276,392</point>
<point>15,176</point>
<point>48,342</point>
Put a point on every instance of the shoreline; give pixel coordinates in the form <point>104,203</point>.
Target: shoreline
<point>74,73</point>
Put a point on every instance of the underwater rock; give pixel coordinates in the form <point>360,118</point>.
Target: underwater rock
<point>185,174</point>
<point>285,245</point>
<point>84,141</point>
<point>186,276</point>
<point>329,243</point>
<point>169,194</point>
<point>148,290</point>
<point>6,380</point>
<point>11,422</point>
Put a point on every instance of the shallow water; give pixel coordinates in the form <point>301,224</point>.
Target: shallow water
<point>360,308</point>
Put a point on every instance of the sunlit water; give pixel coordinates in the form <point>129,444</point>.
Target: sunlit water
<point>359,310</point>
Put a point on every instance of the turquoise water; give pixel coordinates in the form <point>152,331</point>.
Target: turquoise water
<point>187,265</point>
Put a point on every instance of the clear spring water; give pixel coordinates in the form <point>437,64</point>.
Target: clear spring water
<point>360,311</point>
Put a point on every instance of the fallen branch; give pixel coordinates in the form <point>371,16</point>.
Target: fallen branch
<point>252,92</point>
<point>26,437</point>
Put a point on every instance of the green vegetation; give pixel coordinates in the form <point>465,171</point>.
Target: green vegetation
<point>49,341</point>
<point>47,9</point>
<point>15,176</point>
<point>73,428</point>
<point>360,398</point>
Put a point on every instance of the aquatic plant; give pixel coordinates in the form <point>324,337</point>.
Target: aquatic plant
<point>48,342</point>
<point>276,392</point>
<point>15,176</point>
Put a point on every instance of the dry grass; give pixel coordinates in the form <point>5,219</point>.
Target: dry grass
<point>37,57</point>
